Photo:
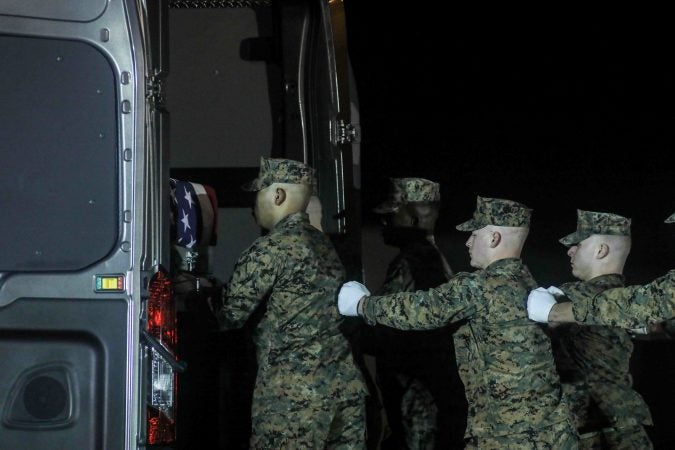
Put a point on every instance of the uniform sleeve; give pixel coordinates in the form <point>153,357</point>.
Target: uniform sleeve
<point>252,280</point>
<point>580,294</point>
<point>630,307</point>
<point>423,310</point>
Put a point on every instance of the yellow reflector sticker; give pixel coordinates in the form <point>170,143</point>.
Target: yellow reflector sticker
<point>109,283</point>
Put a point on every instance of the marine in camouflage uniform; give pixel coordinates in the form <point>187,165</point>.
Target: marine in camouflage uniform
<point>416,370</point>
<point>593,361</point>
<point>505,360</point>
<point>632,307</point>
<point>308,391</point>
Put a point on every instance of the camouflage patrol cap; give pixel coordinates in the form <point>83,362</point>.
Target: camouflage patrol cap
<point>406,190</point>
<point>497,211</point>
<point>671,219</point>
<point>276,170</point>
<point>591,222</point>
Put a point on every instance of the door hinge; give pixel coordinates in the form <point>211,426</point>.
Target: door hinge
<point>346,133</point>
<point>155,91</point>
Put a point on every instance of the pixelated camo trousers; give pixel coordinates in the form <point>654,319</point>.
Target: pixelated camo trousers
<point>560,436</point>
<point>630,438</point>
<point>305,424</point>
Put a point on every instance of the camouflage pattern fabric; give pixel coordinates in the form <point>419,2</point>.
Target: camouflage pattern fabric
<point>630,307</point>
<point>274,170</point>
<point>553,437</point>
<point>399,277</point>
<point>496,211</point>
<point>629,438</point>
<point>305,365</point>
<point>504,359</point>
<point>406,190</point>
<point>591,222</point>
<point>419,413</point>
<point>416,370</point>
<point>418,265</point>
<point>289,413</point>
<point>593,362</point>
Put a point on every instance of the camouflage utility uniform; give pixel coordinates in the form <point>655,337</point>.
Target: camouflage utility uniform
<point>308,391</point>
<point>505,360</point>
<point>593,363</point>
<point>416,370</point>
<point>630,307</point>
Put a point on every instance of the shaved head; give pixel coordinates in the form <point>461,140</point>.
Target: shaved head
<point>298,195</point>
<point>492,242</point>
<point>279,200</point>
<point>599,254</point>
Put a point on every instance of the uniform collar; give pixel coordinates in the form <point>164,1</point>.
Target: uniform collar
<point>291,220</point>
<point>607,281</point>
<point>504,265</point>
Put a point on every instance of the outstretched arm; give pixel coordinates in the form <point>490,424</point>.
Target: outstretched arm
<point>630,307</point>
<point>419,310</point>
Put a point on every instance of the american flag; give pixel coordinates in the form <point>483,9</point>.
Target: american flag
<point>186,213</point>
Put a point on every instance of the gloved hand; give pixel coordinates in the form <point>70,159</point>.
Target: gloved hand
<point>555,291</point>
<point>539,304</point>
<point>348,298</point>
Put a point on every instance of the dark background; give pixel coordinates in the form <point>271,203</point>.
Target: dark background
<point>556,112</point>
<point>559,117</point>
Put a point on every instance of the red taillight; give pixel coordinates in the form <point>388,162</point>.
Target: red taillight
<point>161,311</point>
<point>161,410</point>
<point>161,429</point>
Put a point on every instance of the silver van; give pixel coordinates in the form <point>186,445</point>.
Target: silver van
<point>89,326</point>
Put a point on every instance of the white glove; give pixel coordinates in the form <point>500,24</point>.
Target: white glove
<point>348,298</point>
<point>539,304</point>
<point>555,291</point>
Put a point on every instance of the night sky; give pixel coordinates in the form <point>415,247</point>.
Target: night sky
<point>558,115</point>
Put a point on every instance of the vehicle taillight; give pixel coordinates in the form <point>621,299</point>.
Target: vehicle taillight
<point>161,410</point>
<point>161,311</point>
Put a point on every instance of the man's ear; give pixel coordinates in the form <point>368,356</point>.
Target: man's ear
<point>496,239</point>
<point>279,196</point>
<point>603,250</point>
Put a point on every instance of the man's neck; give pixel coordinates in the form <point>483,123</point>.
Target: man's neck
<point>600,273</point>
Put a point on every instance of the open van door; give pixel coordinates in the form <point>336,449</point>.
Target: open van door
<point>86,321</point>
<point>264,78</point>
<point>88,324</point>
<point>250,79</point>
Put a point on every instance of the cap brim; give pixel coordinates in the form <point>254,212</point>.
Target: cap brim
<point>572,239</point>
<point>470,225</point>
<point>387,207</point>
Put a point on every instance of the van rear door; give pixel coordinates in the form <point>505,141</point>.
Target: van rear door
<point>82,189</point>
